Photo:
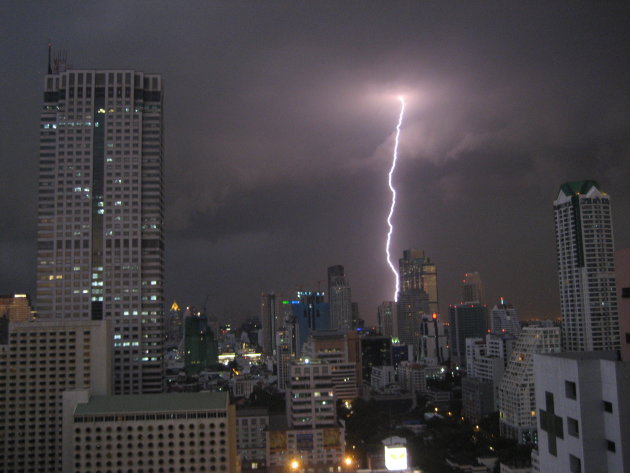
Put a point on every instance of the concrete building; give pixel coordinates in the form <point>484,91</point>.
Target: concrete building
<point>412,377</point>
<point>251,438</point>
<point>516,399</point>
<point>269,318</point>
<point>382,376</point>
<point>473,289</point>
<point>586,268</point>
<point>583,412</point>
<point>149,433</point>
<point>100,236</point>
<point>622,265</point>
<point>39,361</point>
<point>201,349</point>
<point>16,308</point>
<point>387,320</point>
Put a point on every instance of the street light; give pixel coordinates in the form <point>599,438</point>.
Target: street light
<point>294,464</point>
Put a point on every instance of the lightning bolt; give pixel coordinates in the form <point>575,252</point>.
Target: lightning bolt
<point>393,191</point>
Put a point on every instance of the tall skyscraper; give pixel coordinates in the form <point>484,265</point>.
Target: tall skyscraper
<point>340,298</point>
<point>269,320</point>
<point>472,288</point>
<point>466,321</point>
<point>417,297</point>
<point>100,248</point>
<point>586,267</point>
<point>504,318</point>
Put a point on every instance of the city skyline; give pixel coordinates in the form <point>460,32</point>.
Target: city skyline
<point>279,130</point>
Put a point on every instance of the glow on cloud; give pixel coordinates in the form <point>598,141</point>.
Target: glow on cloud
<point>393,191</point>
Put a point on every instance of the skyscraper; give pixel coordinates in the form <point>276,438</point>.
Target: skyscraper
<point>586,267</point>
<point>417,297</point>
<point>269,321</point>
<point>340,298</point>
<point>466,321</point>
<point>472,288</point>
<point>504,318</point>
<point>100,249</point>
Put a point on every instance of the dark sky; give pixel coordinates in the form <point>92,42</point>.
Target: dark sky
<point>280,117</point>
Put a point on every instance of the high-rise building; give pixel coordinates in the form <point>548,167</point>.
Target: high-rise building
<point>375,351</point>
<point>311,313</point>
<point>269,321</point>
<point>200,346</point>
<point>586,268</point>
<point>472,288</point>
<point>387,320</point>
<point>100,248</point>
<point>583,412</point>
<point>516,398</point>
<point>417,296</point>
<point>16,308</point>
<point>466,321</point>
<point>39,361</point>
<point>251,438</point>
<point>504,319</point>
<point>339,298</point>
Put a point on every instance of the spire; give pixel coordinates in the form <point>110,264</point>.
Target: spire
<point>49,57</point>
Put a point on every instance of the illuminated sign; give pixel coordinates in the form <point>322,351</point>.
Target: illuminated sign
<point>395,458</point>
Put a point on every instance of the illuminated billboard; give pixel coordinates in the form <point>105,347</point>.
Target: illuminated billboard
<point>396,458</point>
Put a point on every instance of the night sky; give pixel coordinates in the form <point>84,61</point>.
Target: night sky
<point>279,128</point>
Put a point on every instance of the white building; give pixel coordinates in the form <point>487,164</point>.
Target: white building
<point>149,433</point>
<point>515,397</point>
<point>100,248</point>
<point>382,376</point>
<point>387,320</point>
<point>311,401</point>
<point>39,361</point>
<point>583,412</point>
<point>586,268</point>
<point>412,377</point>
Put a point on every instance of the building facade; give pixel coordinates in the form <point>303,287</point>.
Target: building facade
<point>339,298</point>
<point>583,412</point>
<point>586,267</point>
<point>504,319</point>
<point>100,238</point>
<point>251,438</point>
<point>466,321</point>
<point>269,319</point>
<point>39,361</point>
<point>149,433</point>
<point>516,399</point>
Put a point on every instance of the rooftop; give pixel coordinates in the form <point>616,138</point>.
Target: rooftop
<point>170,402</point>
<point>578,187</point>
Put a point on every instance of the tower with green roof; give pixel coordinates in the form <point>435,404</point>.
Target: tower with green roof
<point>586,270</point>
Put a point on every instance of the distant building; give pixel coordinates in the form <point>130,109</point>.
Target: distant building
<point>504,319</point>
<point>310,313</point>
<point>586,267</point>
<point>622,265</point>
<point>269,317</point>
<point>39,361</point>
<point>583,412</point>
<point>375,351</point>
<point>412,377</point>
<point>251,438</point>
<point>433,346</point>
<point>200,346</point>
<point>466,321</point>
<point>382,376</point>
<point>16,308</point>
<point>516,399</point>
<point>473,289</point>
<point>386,319</point>
<point>286,351</point>
<point>417,297</point>
<point>174,327</point>
<point>339,298</point>
<point>172,432</point>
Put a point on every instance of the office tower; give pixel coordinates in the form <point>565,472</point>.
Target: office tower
<point>375,351</point>
<point>100,248</point>
<point>16,308</point>
<point>251,438</point>
<point>38,362</point>
<point>583,413</point>
<point>516,399</point>
<point>311,401</point>
<point>269,321</point>
<point>466,321</point>
<point>386,319</point>
<point>149,432</point>
<point>311,313</point>
<point>201,349</point>
<point>173,327</point>
<point>586,268</point>
<point>417,296</point>
<point>339,350</point>
<point>622,265</point>
<point>504,319</point>
<point>472,289</point>
<point>433,346</point>
<point>339,298</point>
